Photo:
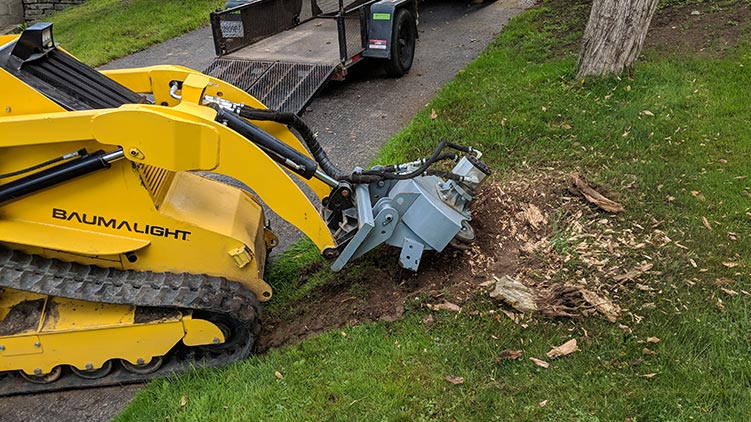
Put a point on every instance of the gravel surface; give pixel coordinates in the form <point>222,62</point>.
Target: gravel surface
<point>353,119</point>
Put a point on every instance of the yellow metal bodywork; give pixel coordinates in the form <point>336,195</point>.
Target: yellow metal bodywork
<point>149,212</point>
<point>86,335</point>
<point>182,223</point>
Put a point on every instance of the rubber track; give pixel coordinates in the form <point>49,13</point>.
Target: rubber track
<point>205,293</point>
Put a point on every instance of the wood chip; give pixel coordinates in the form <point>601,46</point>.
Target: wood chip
<point>512,316</point>
<point>446,306</point>
<point>454,380</point>
<point>278,375</point>
<point>540,363</point>
<point>723,281</point>
<point>534,216</point>
<point>648,351</point>
<point>564,349</point>
<point>729,292</point>
<point>650,375</point>
<point>706,224</point>
<point>578,186</point>
<point>654,340</point>
<point>510,354</point>
<point>515,294</point>
<point>680,246</point>
<point>730,264</point>
<point>634,273</point>
<point>602,304</point>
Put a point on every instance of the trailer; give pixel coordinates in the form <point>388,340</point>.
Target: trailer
<point>283,52</point>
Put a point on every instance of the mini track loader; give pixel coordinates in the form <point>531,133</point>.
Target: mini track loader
<point>121,262</point>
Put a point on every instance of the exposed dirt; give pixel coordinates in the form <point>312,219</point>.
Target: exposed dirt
<point>145,315</point>
<point>709,28</point>
<point>528,228</point>
<point>381,292</point>
<point>22,317</point>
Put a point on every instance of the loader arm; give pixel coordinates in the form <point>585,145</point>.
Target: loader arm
<point>184,138</point>
<point>219,150</point>
<point>156,80</point>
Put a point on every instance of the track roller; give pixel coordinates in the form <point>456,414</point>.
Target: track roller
<point>142,367</point>
<point>91,373</point>
<point>40,378</point>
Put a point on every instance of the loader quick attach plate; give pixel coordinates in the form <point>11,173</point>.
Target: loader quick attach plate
<point>279,85</point>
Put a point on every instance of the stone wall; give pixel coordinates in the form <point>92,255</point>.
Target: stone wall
<point>11,12</point>
<point>37,9</point>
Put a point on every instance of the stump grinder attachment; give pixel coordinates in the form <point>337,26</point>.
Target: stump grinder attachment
<point>121,262</point>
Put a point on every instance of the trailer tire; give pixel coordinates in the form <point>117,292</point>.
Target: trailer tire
<point>403,40</point>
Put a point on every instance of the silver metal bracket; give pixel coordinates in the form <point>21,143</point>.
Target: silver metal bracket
<point>411,254</point>
<point>372,230</point>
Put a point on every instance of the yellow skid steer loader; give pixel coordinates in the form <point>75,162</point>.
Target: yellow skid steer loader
<point>120,261</point>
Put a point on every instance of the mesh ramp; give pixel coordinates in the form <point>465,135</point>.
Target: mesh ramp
<point>278,85</point>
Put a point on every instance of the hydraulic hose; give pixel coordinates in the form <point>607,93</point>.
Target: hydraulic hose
<point>294,121</point>
<point>79,153</point>
<point>276,149</point>
<point>53,176</point>
<point>390,172</point>
<point>367,176</point>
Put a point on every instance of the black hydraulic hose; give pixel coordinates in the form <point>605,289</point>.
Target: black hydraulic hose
<point>294,121</point>
<point>390,172</point>
<point>420,170</point>
<point>47,163</point>
<point>394,168</point>
<point>367,176</point>
<point>53,176</point>
<point>276,149</point>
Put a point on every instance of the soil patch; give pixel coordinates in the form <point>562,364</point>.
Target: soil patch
<point>705,29</point>
<point>530,228</point>
<point>380,292</point>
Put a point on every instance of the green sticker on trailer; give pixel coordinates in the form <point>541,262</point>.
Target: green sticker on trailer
<point>381,16</point>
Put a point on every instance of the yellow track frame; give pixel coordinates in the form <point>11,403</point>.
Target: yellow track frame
<point>85,335</point>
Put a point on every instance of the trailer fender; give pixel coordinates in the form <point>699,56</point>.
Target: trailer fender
<point>380,26</point>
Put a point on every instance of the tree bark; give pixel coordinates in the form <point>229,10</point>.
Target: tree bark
<point>614,36</point>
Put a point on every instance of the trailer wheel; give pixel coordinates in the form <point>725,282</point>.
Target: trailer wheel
<point>403,40</point>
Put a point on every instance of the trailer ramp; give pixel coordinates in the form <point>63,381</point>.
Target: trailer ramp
<point>278,85</point>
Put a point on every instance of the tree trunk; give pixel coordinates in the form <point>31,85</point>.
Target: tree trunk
<point>614,36</point>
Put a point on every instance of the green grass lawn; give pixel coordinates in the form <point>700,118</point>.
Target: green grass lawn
<point>99,31</point>
<point>688,157</point>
